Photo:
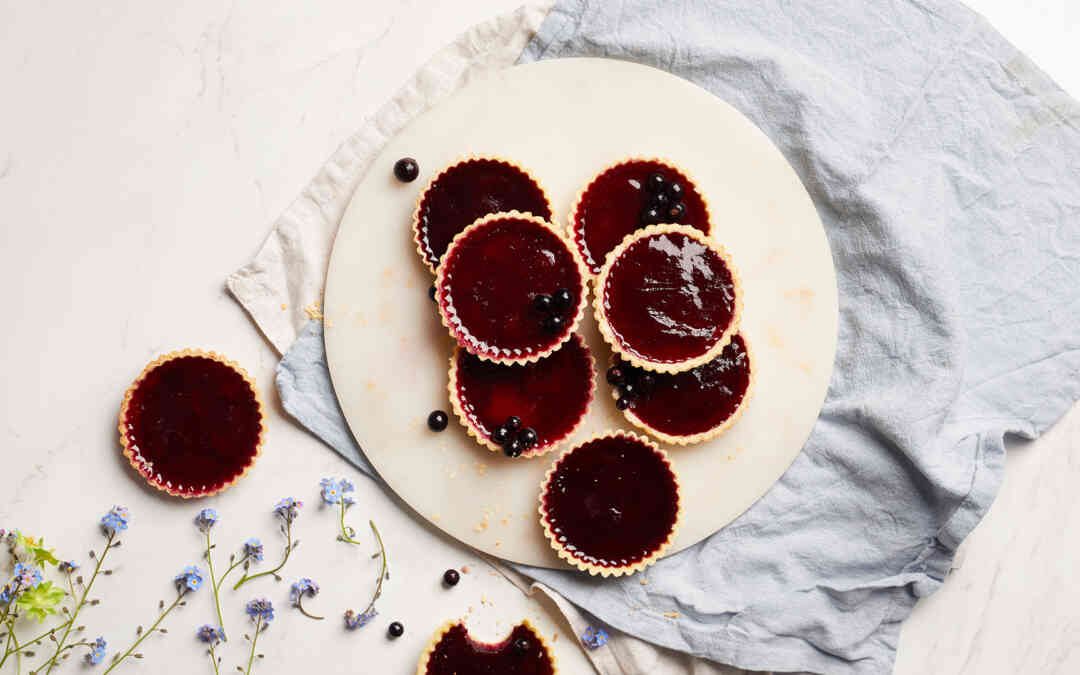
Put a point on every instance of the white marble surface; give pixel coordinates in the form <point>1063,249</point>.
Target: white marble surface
<point>144,149</point>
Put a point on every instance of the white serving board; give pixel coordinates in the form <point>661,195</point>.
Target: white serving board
<point>565,120</point>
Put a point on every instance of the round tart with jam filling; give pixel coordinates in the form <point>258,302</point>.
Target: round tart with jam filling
<point>550,396</point>
<point>192,423</point>
<point>691,406</point>
<point>452,651</point>
<point>668,298</point>
<point>492,281</point>
<point>467,190</point>
<point>628,196</point>
<point>611,505</point>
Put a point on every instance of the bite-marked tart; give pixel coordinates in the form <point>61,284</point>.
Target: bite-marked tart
<point>491,282</point>
<point>467,190</point>
<point>192,423</point>
<point>550,396</point>
<point>452,651</point>
<point>688,407</point>
<point>611,505</point>
<point>668,299</point>
<point>617,202</point>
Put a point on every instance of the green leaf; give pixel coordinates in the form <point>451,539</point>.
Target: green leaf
<point>41,601</point>
<point>36,549</point>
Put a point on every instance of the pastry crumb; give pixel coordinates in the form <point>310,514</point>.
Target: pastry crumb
<point>671,615</point>
<point>464,569</point>
<point>644,582</point>
<point>435,516</point>
<point>555,637</point>
<point>481,468</point>
<point>505,521</point>
<point>284,306</point>
<point>314,310</point>
<point>498,543</point>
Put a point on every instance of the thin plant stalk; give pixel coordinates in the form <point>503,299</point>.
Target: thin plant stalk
<point>145,634</point>
<point>82,602</point>
<point>288,551</point>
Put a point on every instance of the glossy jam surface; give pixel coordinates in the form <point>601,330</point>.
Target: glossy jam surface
<point>468,191</point>
<point>458,654</point>
<point>669,298</point>
<point>491,279</point>
<point>550,395</point>
<point>611,208</point>
<point>700,399</point>
<point>193,424</point>
<point>612,502</point>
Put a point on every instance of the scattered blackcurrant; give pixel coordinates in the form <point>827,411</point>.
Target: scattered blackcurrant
<point>651,216</point>
<point>622,403</point>
<point>629,389</point>
<point>406,169</point>
<point>431,292</point>
<point>615,376</point>
<point>522,645</point>
<point>675,191</point>
<point>512,423</point>
<point>647,382</point>
<point>675,212</point>
<point>513,448</point>
<point>501,434</point>
<point>562,299</point>
<point>554,323</point>
<point>659,201</point>
<point>543,303</point>
<point>396,630</point>
<point>437,420</point>
<point>655,182</point>
<point>451,577</point>
<point>528,437</point>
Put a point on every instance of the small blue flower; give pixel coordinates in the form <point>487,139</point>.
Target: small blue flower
<point>301,588</point>
<point>97,652</point>
<point>348,501</point>
<point>68,566</point>
<point>206,519</point>
<point>253,549</point>
<point>261,609</point>
<point>116,520</point>
<point>210,635</point>
<point>288,509</point>
<point>190,579</point>
<point>594,638</point>
<point>330,492</point>
<point>354,620</point>
<point>345,486</point>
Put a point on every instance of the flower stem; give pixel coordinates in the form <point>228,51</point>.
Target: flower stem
<point>382,570</point>
<point>254,639</point>
<point>214,584</point>
<point>288,551</point>
<point>81,603</point>
<point>346,532</point>
<point>153,628</point>
<point>300,606</point>
<point>213,659</point>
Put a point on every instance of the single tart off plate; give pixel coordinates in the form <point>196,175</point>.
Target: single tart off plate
<point>467,190</point>
<point>688,407</point>
<point>548,398</point>
<point>629,195</point>
<point>668,298</point>
<point>510,288</point>
<point>611,505</point>
<point>453,652</point>
<point>192,423</point>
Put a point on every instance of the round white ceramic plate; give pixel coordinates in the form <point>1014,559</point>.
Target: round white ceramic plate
<point>565,120</point>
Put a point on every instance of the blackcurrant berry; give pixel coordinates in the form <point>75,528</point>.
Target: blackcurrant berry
<point>655,182</point>
<point>528,437</point>
<point>659,201</point>
<point>431,292</point>
<point>501,435</point>
<point>437,420</point>
<point>622,403</point>
<point>629,390</point>
<point>396,630</point>
<point>513,448</point>
<point>675,212</point>
<point>675,191</point>
<point>406,169</point>
<point>543,303</point>
<point>522,645</point>
<point>651,216</point>
<point>562,299</point>
<point>451,577</point>
<point>615,376</point>
<point>647,382</point>
<point>554,323</point>
<point>512,423</point>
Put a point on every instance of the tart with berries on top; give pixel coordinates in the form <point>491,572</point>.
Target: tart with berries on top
<point>510,288</point>
<point>627,196</point>
<point>452,651</point>
<point>466,191</point>
<point>611,505</point>
<point>523,410</point>
<point>192,423</point>
<point>668,299</point>
<point>691,406</point>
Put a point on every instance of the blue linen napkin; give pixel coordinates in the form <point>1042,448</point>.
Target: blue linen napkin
<point>946,169</point>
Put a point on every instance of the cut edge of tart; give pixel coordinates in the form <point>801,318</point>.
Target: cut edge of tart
<point>130,452</point>
<point>704,435</point>
<point>575,234</point>
<point>600,570</point>
<point>418,239</point>
<point>429,649</point>
<point>485,440</point>
<point>571,326</point>
<point>601,279</point>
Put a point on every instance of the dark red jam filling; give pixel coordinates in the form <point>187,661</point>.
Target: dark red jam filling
<point>612,502</point>
<point>669,298</point>
<point>468,191</point>
<point>193,422</point>
<point>694,401</point>
<point>521,653</point>
<point>612,208</point>
<point>492,279</point>
<point>550,396</point>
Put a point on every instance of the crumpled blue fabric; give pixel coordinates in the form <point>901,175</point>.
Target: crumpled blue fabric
<point>946,169</point>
